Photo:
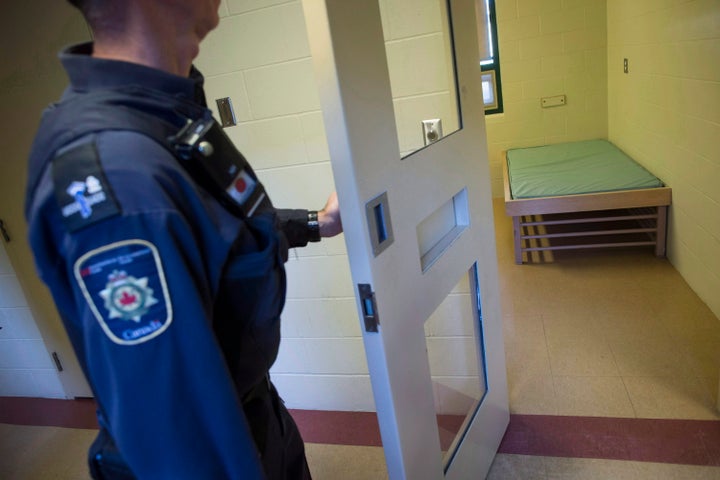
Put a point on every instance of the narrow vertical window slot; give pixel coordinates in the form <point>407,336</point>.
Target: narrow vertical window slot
<point>380,223</point>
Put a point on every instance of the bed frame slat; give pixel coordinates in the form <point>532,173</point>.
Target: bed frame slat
<point>590,245</point>
<point>591,220</point>
<point>590,233</point>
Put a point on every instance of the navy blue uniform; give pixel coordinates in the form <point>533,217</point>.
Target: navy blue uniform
<point>172,303</point>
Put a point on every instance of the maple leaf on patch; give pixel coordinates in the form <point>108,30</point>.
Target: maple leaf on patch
<point>127,299</point>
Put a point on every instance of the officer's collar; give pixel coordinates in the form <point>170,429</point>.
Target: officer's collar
<point>89,73</point>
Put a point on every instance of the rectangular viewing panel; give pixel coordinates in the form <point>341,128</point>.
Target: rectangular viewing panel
<point>377,212</point>
<point>439,230</point>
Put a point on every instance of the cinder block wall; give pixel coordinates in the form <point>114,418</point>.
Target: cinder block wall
<point>548,48</point>
<point>26,368</point>
<point>665,112</point>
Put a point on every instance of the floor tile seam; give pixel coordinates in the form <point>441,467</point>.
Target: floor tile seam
<point>544,346</point>
<point>555,405</point>
<point>629,397</point>
<point>545,340</point>
<point>627,392</point>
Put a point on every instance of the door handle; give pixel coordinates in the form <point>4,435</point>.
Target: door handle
<point>377,212</point>
<point>369,307</point>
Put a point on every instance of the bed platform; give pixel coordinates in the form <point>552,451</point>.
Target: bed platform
<point>582,195</point>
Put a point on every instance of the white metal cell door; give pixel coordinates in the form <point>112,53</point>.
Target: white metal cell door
<point>409,156</point>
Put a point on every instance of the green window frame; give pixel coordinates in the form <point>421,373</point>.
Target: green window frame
<point>490,67</point>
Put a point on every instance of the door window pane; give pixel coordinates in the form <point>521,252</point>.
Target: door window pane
<point>421,64</point>
<point>457,363</point>
<point>489,90</point>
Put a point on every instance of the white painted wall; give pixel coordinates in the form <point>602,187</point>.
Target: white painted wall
<point>26,368</point>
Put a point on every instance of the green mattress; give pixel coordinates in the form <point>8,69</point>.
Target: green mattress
<point>573,168</point>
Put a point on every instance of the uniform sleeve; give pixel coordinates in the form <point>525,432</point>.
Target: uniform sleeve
<point>143,281</point>
<point>294,224</point>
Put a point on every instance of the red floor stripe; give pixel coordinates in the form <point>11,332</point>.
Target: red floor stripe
<point>689,442</point>
<point>338,428</point>
<point>359,428</point>
<point>48,412</point>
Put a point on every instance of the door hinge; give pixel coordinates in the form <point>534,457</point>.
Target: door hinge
<point>56,359</point>
<point>369,307</point>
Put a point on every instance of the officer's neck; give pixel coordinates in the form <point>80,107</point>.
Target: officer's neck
<point>163,49</point>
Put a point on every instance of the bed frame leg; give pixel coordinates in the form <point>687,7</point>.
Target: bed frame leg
<point>661,234</point>
<point>517,240</point>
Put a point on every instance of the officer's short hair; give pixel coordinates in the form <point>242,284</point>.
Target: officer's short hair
<point>100,14</point>
<point>82,5</point>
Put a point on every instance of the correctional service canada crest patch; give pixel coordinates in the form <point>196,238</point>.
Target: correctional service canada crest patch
<point>127,297</point>
<point>125,288</point>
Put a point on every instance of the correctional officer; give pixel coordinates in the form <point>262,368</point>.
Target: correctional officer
<point>164,254</point>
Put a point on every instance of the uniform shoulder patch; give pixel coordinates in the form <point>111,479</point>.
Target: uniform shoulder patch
<point>81,189</point>
<point>124,285</point>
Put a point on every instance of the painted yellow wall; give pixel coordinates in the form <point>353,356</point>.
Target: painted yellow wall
<point>665,113</point>
<point>547,48</point>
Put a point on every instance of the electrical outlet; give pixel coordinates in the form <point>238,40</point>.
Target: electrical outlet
<point>625,65</point>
